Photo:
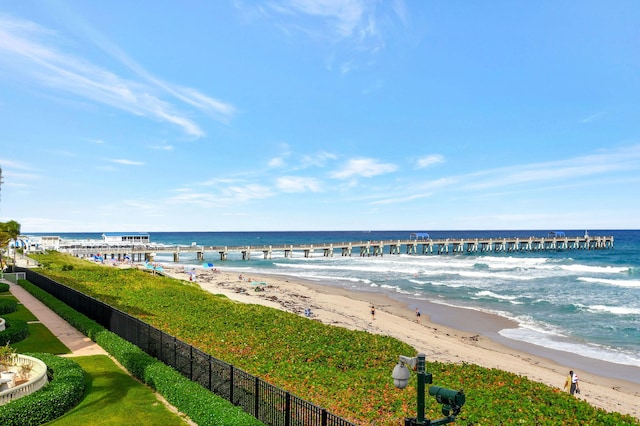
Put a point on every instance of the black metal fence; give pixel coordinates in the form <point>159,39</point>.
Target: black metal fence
<point>269,404</point>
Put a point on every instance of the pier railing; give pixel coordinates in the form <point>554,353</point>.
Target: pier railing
<point>269,404</point>
<point>363,248</point>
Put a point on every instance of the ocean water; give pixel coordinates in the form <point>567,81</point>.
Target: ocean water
<point>584,302</point>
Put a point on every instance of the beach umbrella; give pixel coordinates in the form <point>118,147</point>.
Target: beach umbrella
<point>207,265</point>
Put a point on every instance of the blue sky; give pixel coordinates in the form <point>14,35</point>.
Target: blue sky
<point>319,115</point>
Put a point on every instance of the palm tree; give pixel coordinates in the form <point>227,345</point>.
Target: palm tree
<point>9,231</point>
<point>4,241</point>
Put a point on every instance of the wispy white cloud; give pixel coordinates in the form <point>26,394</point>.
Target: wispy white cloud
<point>165,147</point>
<point>604,162</point>
<point>429,160</point>
<point>64,153</point>
<point>318,159</point>
<point>276,162</point>
<point>223,193</point>
<point>353,24</point>
<point>16,174</point>
<point>298,184</point>
<point>398,200</point>
<point>611,167</point>
<point>593,117</point>
<point>126,162</point>
<point>246,192</point>
<point>12,164</point>
<point>27,54</point>
<point>299,162</point>
<point>365,167</point>
<point>203,199</point>
<point>343,17</point>
<point>10,176</point>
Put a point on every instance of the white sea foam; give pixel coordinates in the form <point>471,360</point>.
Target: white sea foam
<point>512,262</point>
<point>595,269</point>
<point>550,341</point>
<point>618,283</point>
<point>618,310</point>
<point>495,275</point>
<point>486,293</point>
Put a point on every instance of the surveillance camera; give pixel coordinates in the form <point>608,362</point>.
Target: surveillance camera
<point>451,400</point>
<point>400,376</point>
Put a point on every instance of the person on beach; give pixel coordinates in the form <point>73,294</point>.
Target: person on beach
<point>373,312</point>
<point>571,383</point>
<point>417,315</point>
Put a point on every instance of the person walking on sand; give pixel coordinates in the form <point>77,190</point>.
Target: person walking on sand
<point>418,315</point>
<point>571,383</point>
<point>373,312</point>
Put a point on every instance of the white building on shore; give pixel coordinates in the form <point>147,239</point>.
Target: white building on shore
<point>126,237</point>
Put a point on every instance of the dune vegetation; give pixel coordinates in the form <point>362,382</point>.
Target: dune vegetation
<point>348,372</point>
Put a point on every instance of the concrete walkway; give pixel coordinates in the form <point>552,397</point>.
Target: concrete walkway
<point>78,343</point>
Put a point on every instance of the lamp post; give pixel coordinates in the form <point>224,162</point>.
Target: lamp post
<point>452,401</point>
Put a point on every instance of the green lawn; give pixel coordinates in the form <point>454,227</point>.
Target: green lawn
<point>41,340</point>
<point>114,398</point>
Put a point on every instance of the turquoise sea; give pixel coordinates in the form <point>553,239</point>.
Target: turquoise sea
<point>584,302</point>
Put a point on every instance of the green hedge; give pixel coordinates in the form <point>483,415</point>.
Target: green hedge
<point>4,287</point>
<point>8,306</point>
<point>201,405</point>
<point>63,392</point>
<point>16,330</point>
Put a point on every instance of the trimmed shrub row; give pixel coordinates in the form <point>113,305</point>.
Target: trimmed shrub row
<point>64,391</point>
<point>16,330</point>
<point>201,405</point>
<point>8,306</point>
<point>4,287</point>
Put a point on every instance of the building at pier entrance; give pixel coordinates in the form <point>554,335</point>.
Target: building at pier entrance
<point>126,237</point>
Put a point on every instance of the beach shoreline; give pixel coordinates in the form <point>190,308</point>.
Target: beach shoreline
<point>445,334</point>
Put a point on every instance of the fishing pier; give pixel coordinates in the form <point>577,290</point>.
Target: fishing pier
<point>415,246</point>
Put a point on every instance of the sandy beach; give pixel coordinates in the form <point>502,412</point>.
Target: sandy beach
<point>472,338</point>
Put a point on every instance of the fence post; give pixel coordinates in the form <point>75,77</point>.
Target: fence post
<point>210,374</point>
<point>231,384</point>
<point>287,409</point>
<point>324,417</point>
<point>256,402</point>
<point>175,355</point>
<point>190,362</point>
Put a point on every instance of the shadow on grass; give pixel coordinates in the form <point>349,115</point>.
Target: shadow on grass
<point>40,339</point>
<point>113,397</point>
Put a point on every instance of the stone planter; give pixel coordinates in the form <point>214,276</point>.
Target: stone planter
<point>36,378</point>
<point>7,380</point>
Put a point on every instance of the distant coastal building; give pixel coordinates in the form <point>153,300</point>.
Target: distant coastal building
<point>556,234</point>
<point>419,236</point>
<point>126,237</point>
<point>48,242</point>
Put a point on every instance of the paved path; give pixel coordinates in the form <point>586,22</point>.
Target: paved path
<point>78,343</point>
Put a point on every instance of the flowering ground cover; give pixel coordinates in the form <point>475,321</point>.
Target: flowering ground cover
<point>348,372</point>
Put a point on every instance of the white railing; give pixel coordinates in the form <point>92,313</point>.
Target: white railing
<point>37,378</point>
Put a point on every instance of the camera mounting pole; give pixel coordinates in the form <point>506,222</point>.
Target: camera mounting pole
<point>452,401</point>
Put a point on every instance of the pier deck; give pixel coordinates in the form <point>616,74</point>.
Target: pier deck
<point>139,252</point>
